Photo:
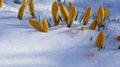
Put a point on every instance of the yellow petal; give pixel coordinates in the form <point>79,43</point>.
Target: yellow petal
<point>106,10</point>
<point>64,12</point>
<point>35,24</point>
<point>24,2</point>
<point>72,16</point>
<point>21,12</point>
<point>93,25</point>
<point>45,26</point>
<point>55,13</point>
<point>100,16</point>
<point>100,41</point>
<point>70,5</point>
<point>87,15</point>
<point>82,28</point>
<point>1,3</point>
<point>32,8</point>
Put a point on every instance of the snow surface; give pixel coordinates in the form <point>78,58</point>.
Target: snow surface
<point>23,46</point>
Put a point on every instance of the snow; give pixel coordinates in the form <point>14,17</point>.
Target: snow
<point>23,46</point>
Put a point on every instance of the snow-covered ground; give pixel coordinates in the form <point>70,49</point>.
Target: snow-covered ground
<point>23,46</point>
